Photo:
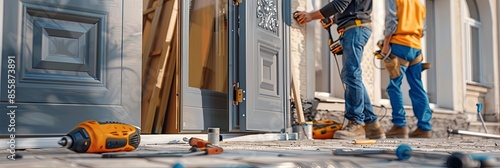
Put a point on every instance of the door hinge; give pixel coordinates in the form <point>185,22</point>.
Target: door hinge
<point>237,2</point>
<point>238,94</point>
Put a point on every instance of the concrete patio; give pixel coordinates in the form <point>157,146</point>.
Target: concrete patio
<point>282,153</point>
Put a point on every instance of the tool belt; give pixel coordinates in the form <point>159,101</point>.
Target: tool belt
<point>335,47</point>
<point>394,63</point>
<point>357,22</point>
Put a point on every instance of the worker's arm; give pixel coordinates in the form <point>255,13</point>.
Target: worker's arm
<point>391,24</point>
<point>328,10</point>
<point>304,17</point>
<point>336,6</point>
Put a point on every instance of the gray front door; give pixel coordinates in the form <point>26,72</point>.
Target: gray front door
<point>75,60</point>
<point>262,66</point>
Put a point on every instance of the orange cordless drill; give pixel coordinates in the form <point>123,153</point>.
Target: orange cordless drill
<point>101,137</point>
<point>198,144</point>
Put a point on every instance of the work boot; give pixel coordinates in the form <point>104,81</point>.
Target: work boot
<point>352,130</point>
<point>398,132</point>
<point>374,131</point>
<point>420,134</point>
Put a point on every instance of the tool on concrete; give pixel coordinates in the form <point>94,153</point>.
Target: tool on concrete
<point>151,154</point>
<point>198,147</point>
<point>479,108</point>
<point>178,165</point>
<point>459,159</point>
<point>372,141</point>
<point>198,144</point>
<point>405,152</point>
<point>402,152</point>
<point>213,135</point>
<point>101,137</point>
<point>304,130</point>
<point>470,133</point>
<point>324,129</point>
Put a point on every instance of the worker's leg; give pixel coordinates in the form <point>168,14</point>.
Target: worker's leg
<point>418,95</point>
<point>370,117</point>
<point>399,128</point>
<point>373,128</point>
<point>396,99</point>
<point>394,88</point>
<point>356,97</point>
<point>353,44</point>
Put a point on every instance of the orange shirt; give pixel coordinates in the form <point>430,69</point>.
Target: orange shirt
<point>410,23</point>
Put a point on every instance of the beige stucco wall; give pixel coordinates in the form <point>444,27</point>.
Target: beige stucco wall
<point>305,52</point>
<point>298,48</point>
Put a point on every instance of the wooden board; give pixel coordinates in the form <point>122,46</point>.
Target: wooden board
<point>155,73</point>
<point>166,88</point>
<point>172,121</point>
<point>149,34</point>
<point>297,100</point>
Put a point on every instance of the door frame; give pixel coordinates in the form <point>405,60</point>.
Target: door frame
<point>233,56</point>
<point>191,97</point>
<point>233,68</point>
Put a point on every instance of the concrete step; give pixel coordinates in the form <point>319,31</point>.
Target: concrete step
<point>334,109</point>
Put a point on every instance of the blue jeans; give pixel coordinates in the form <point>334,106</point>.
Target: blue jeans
<point>419,99</point>
<point>357,102</point>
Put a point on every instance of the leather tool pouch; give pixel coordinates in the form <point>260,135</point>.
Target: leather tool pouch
<point>393,67</point>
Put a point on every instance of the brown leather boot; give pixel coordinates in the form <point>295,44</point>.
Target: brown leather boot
<point>420,134</point>
<point>352,130</point>
<point>374,131</point>
<point>398,132</point>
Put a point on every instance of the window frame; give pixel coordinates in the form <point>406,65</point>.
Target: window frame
<point>470,23</point>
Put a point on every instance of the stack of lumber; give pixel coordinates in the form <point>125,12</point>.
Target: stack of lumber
<point>160,66</point>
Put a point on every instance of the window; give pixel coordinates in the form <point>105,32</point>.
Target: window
<point>208,53</point>
<point>472,40</point>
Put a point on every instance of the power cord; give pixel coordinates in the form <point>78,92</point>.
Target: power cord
<point>343,84</point>
<point>385,113</point>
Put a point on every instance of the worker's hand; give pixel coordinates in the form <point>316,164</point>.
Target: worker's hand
<point>386,49</point>
<point>303,17</point>
<point>326,25</point>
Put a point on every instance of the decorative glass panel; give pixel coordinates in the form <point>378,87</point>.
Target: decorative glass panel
<point>267,13</point>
